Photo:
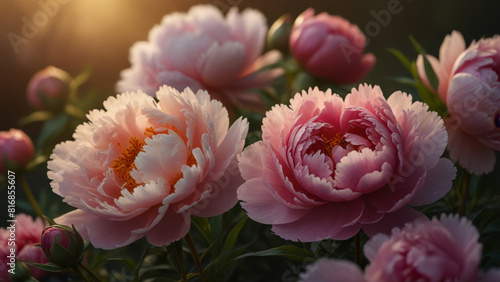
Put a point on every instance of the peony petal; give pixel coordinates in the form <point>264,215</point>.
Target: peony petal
<point>222,64</point>
<point>393,220</point>
<point>332,270</point>
<point>313,226</point>
<point>453,44</point>
<point>437,183</point>
<point>172,227</point>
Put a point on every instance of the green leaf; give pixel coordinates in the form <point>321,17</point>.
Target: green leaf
<point>416,45</point>
<point>36,116</point>
<point>429,72</point>
<point>287,251</point>
<point>47,266</point>
<point>52,129</point>
<point>203,226</point>
<point>404,80</point>
<point>175,256</point>
<point>401,57</point>
<point>233,235</point>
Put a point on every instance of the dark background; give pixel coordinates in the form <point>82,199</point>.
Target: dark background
<point>98,34</point>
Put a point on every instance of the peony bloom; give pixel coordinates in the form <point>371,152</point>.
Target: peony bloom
<point>469,85</point>
<point>332,270</point>
<point>16,149</point>
<point>330,47</point>
<point>327,168</point>
<point>141,168</point>
<point>203,50</point>
<point>48,88</point>
<point>27,235</point>
<point>439,250</point>
<point>62,245</point>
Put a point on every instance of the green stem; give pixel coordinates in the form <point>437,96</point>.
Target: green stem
<point>138,267</point>
<point>466,182</point>
<point>31,198</point>
<point>78,271</point>
<point>357,247</point>
<point>93,277</point>
<point>194,254</point>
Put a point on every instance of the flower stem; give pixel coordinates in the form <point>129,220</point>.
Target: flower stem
<point>466,182</point>
<point>31,198</point>
<point>357,249</point>
<point>196,258</point>
<point>93,277</point>
<point>138,267</point>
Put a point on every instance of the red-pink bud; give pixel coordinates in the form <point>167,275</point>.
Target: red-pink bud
<point>16,149</point>
<point>330,47</point>
<point>62,245</point>
<point>48,89</point>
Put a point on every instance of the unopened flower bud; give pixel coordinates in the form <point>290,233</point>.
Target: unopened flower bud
<point>62,245</point>
<point>48,89</point>
<point>279,33</point>
<point>16,150</point>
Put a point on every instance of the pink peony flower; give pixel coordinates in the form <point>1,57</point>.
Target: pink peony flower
<point>27,235</point>
<point>330,47</point>
<point>141,168</point>
<point>201,49</point>
<point>332,270</point>
<point>48,88</point>
<point>16,149</point>
<point>327,168</point>
<point>439,250</point>
<point>469,85</point>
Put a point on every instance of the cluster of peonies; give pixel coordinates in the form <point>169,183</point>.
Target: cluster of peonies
<point>444,249</point>
<point>326,167</point>
<point>27,236</point>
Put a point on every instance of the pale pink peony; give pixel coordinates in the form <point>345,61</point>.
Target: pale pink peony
<point>327,168</point>
<point>49,88</point>
<point>469,86</point>
<point>439,250</point>
<point>27,235</point>
<point>330,47</point>
<point>332,270</point>
<point>16,149</point>
<point>141,168</point>
<point>201,49</point>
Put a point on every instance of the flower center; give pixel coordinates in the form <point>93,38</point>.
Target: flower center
<point>124,164</point>
<point>331,143</point>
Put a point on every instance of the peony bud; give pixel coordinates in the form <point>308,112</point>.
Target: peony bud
<point>279,33</point>
<point>48,89</point>
<point>16,150</point>
<point>330,47</point>
<point>62,245</point>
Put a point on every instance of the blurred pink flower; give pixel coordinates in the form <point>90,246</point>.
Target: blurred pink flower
<point>27,235</point>
<point>48,88</point>
<point>16,149</point>
<point>489,276</point>
<point>201,49</point>
<point>327,168</point>
<point>141,168</point>
<point>439,250</point>
<point>332,270</point>
<point>469,86</point>
<point>330,47</point>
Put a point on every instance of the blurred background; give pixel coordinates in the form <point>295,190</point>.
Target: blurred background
<point>95,34</point>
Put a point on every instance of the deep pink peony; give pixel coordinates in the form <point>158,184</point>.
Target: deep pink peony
<point>141,168</point>
<point>439,250</point>
<point>201,49</point>
<point>16,149</point>
<point>330,47</point>
<point>27,235</point>
<point>327,168</point>
<point>469,85</point>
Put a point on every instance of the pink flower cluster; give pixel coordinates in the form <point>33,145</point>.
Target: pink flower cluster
<point>439,250</point>
<point>327,168</point>
<point>141,167</point>
<point>27,235</point>
<point>469,85</point>
<point>201,49</point>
